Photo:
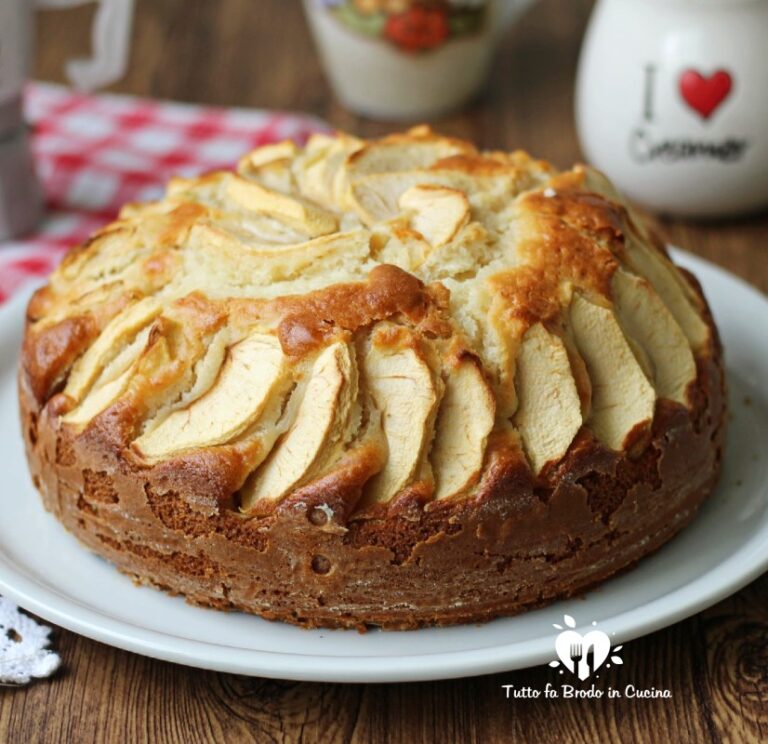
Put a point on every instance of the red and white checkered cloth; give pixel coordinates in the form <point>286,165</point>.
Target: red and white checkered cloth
<point>96,152</point>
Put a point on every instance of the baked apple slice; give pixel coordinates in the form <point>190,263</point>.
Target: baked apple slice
<point>438,212</point>
<point>399,153</point>
<point>294,211</point>
<point>648,321</point>
<point>252,372</point>
<point>548,414</point>
<point>670,286</point>
<point>464,422</point>
<point>120,331</point>
<point>622,396</point>
<point>320,423</point>
<point>403,388</point>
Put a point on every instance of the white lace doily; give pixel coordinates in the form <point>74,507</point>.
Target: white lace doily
<point>23,642</point>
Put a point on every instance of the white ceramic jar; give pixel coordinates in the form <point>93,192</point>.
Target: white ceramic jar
<point>672,102</point>
<point>402,60</point>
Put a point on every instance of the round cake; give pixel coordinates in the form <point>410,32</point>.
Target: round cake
<point>396,382</point>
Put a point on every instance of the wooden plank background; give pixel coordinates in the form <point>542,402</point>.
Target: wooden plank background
<point>258,53</point>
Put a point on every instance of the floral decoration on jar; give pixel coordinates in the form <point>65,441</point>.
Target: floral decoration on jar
<point>410,25</point>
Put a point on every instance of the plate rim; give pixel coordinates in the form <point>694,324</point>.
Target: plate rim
<point>720,581</point>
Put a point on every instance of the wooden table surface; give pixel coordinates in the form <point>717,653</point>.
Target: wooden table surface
<point>258,53</point>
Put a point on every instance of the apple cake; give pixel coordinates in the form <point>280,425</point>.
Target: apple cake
<point>395,382</point>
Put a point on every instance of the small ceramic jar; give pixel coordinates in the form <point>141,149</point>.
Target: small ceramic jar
<point>407,60</point>
<point>672,102</point>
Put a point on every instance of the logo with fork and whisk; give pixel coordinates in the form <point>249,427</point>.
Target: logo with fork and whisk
<point>583,655</point>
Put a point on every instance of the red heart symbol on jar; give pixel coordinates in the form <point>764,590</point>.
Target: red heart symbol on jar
<point>705,94</point>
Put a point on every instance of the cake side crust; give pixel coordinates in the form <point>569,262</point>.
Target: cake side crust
<point>520,542</point>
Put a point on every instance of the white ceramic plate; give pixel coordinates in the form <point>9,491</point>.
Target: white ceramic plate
<point>46,571</point>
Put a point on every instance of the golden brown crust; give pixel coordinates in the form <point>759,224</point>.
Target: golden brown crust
<point>309,321</point>
<point>49,354</point>
<point>542,314</point>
